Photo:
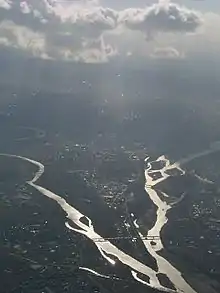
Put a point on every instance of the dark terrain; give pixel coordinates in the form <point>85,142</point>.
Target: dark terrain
<point>92,139</point>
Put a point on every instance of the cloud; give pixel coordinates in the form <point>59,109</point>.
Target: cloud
<point>64,28</point>
<point>97,51</point>
<point>20,37</point>
<point>161,17</point>
<point>167,53</point>
<point>86,31</point>
<point>5,4</point>
<point>41,15</point>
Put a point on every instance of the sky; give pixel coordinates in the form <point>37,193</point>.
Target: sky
<point>98,31</point>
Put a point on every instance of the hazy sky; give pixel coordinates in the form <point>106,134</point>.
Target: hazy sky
<point>203,5</point>
<point>99,30</point>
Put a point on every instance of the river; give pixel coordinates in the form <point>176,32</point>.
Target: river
<point>110,251</point>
